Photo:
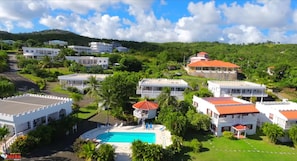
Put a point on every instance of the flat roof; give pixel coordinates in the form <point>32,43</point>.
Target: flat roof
<point>82,77</point>
<point>28,102</point>
<point>161,82</point>
<point>237,84</point>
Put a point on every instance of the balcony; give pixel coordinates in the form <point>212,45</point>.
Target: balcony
<point>155,94</point>
<point>235,120</point>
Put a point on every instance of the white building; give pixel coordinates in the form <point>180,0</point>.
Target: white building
<point>39,53</point>
<point>122,49</point>
<point>151,88</point>
<point>145,110</point>
<point>79,81</point>
<point>101,47</point>
<point>228,114</point>
<point>284,114</point>
<point>236,89</point>
<point>58,42</point>
<point>90,60</point>
<point>24,113</point>
<point>201,56</point>
<point>80,49</point>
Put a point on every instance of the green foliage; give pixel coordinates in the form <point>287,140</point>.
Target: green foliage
<point>177,143</point>
<point>293,134</point>
<point>130,63</point>
<point>7,88</point>
<point>176,123</point>
<point>3,132</point>
<point>229,135</point>
<point>196,145</point>
<point>165,99</point>
<point>198,121</point>
<point>77,145</point>
<point>3,61</point>
<point>88,151</point>
<point>41,84</point>
<point>105,153</point>
<point>272,131</point>
<point>146,152</point>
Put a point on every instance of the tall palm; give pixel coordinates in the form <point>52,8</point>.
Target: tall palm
<point>165,99</point>
<point>88,151</point>
<point>93,86</point>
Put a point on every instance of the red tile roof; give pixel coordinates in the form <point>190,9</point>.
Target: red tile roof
<point>239,127</point>
<point>212,63</point>
<point>290,114</point>
<point>146,105</point>
<point>236,109</point>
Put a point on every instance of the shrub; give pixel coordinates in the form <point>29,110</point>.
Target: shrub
<point>229,135</point>
<point>77,145</point>
<point>73,89</point>
<point>196,145</point>
<point>105,153</point>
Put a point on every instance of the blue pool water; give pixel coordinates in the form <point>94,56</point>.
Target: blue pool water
<point>127,137</point>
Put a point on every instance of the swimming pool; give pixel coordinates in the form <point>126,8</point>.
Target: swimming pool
<point>127,137</point>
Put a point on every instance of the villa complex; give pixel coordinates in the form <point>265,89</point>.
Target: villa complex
<point>79,81</point>
<point>90,60</point>
<point>228,114</point>
<point>201,65</point>
<point>24,113</point>
<point>151,88</point>
<point>101,47</point>
<point>284,114</point>
<point>80,49</point>
<point>236,89</point>
<point>39,53</point>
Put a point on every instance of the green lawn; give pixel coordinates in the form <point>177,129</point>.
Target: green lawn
<point>87,112</point>
<point>31,77</point>
<point>223,149</point>
<point>61,70</point>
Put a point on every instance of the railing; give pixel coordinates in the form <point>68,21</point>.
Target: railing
<point>236,120</point>
<point>6,143</point>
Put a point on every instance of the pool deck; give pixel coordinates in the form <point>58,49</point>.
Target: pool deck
<point>123,150</point>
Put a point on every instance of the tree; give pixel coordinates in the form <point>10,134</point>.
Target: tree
<point>76,97</point>
<point>93,88</point>
<point>272,131</point>
<point>46,62</point>
<point>130,63</point>
<point>198,121</point>
<point>105,153</point>
<point>7,88</point>
<point>176,123</point>
<point>3,132</point>
<point>165,99</point>
<point>88,151</point>
<point>293,134</point>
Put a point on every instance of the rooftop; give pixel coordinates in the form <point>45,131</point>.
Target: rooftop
<point>279,105</point>
<point>161,82</point>
<point>290,114</point>
<point>82,77</point>
<point>28,102</point>
<point>212,63</point>
<point>221,100</point>
<point>236,109</point>
<point>237,84</point>
<point>146,105</point>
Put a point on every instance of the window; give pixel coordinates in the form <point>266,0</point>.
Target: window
<point>270,116</point>
<point>249,126</point>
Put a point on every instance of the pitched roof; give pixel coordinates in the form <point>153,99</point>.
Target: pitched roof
<point>236,109</point>
<point>146,105</point>
<point>212,63</point>
<point>239,127</point>
<point>289,114</point>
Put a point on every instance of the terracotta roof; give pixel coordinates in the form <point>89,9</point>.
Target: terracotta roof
<point>146,105</point>
<point>239,127</point>
<point>212,63</point>
<point>202,53</point>
<point>221,100</point>
<point>289,114</point>
<point>236,109</point>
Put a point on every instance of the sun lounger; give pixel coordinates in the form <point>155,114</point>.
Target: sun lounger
<point>151,126</point>
<point>121,124</point>
<point>115,125</point>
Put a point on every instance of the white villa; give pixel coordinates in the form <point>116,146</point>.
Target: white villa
<point>228,114</point>
<point>90,60</point>
<point>145,110</point>
<point>57,42</point>
<point>201,56</point>
<point>284,114</point>
<point>80,49</point>
<point>79,81</point>
<point>151,88</point>
<point>39,53</point>
<point>101,47</point>
<point>24,113</point>
<point>236,88</point>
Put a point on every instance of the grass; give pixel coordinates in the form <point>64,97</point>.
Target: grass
<point>223,149</point>
<point>31,77</point>
<point>56,88</point>
<point>87,112</point>
<point>62,70</point>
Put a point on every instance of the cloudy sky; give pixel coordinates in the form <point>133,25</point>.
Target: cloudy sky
<point>229,21</point>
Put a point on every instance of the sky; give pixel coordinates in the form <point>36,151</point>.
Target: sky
<point>226,21</point>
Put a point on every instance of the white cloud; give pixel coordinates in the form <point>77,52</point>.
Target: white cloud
<point>262,13</point>
<point>243,34</point>
<point>25,24</point>
<point>58,22</point>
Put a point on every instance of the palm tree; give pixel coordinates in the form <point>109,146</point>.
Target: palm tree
<point>88,151</point>
<point>165,99</point>
<point>76,97</point>
<point>93,85</point>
